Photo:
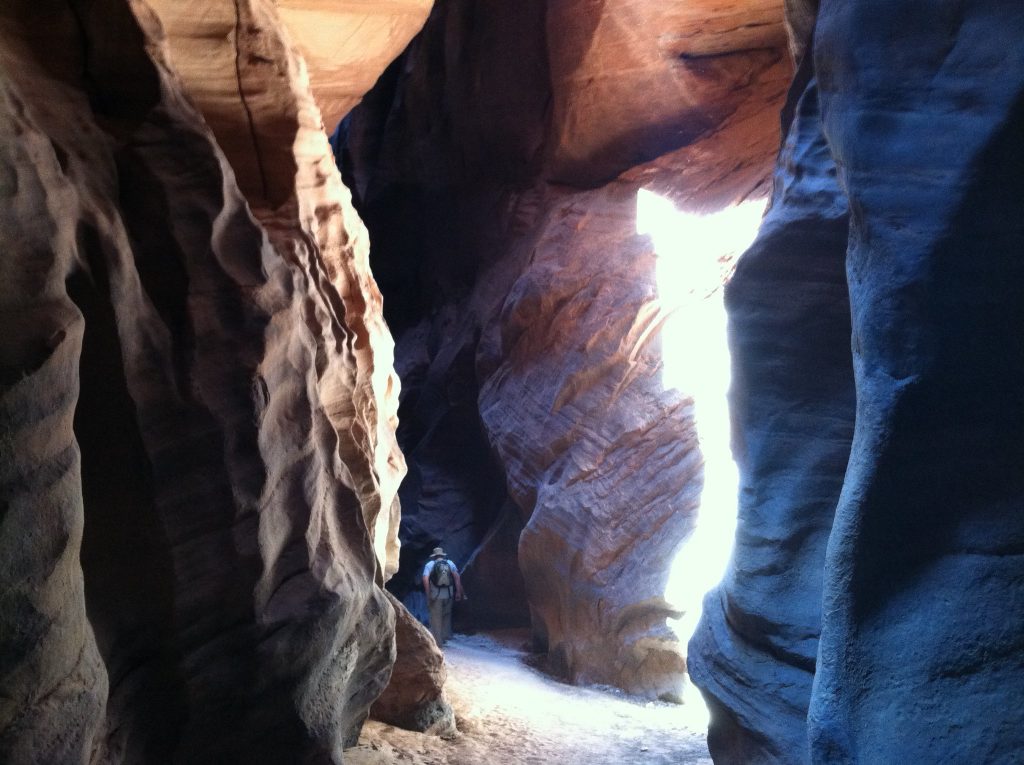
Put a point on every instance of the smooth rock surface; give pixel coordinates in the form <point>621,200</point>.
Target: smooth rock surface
<point>920,630</point>
<point>891,640</point>
<point>792,403</point>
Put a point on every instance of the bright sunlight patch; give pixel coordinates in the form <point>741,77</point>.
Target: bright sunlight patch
<point>695,256</point>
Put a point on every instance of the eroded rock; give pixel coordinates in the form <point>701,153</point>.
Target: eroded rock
<point>191,566</point>
<point>414,697</point>
<point>925,550</point>
<point>550,288</point>
<point>755,651</point>
<point>633,80</point>
<point>884,577</point>
<point>593,446</point>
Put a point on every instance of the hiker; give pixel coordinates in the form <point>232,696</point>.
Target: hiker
<point>442,584</point>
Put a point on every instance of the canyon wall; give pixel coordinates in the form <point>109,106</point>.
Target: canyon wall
<point>197,406</point>
<point>500,162</point>
<point>867,616</point>
<point>199,473</point>
<point>792,404</point>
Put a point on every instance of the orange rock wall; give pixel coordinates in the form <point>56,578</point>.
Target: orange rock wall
<point>517,137</point>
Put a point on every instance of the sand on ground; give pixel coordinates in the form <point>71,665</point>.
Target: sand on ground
<point>509,713</point>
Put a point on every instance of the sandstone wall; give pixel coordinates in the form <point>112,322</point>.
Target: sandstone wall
<point>866,617</point>
<point>517,137</point>
<point>196,401</point>
<point>792,403</point>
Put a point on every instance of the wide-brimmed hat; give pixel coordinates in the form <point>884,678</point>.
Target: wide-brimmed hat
<point>438,553</point>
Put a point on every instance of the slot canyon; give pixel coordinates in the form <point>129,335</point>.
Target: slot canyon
<point>692,330</point>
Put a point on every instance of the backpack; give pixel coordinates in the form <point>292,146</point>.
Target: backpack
<point>441,574</point>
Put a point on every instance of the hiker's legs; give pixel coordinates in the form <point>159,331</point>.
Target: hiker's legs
<point>437,628</point>
<point>447,621</point>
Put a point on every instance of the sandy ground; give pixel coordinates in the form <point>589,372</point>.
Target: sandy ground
<point>511,714</point>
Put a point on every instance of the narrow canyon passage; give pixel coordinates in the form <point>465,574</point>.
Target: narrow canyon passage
<point>510,713</point>
<point>294,293</point>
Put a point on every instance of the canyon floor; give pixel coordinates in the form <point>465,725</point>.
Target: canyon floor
<point>510,713</point>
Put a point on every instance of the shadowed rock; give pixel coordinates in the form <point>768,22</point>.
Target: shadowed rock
<point>197,456</point>
<point>885,579</point>
<point>793,409</point>
<point>414,697</point>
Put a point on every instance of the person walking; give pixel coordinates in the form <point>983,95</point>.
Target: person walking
<point>443,585</point>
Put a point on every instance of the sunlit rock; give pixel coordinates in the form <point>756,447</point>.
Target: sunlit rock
<point>553,295</point>
<point>596,451</point>
<point>264,116</point>
<point>633,80</point>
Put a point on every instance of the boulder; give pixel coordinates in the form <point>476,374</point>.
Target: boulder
<point>414,696</point>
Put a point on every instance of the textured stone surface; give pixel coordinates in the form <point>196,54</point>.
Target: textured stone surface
<point>197,458</point>
<point>541,302</point>
<point>274,130</point>
<point>346,44</point>
<point>926,549</point>
<point>633,79</point>
<point>901,615</point>
<point>250,66</point>
<point>414,697</point>
<point>792,405</point>
<point>603,459</point>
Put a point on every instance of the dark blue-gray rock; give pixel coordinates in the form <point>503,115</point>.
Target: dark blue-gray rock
<point>920,638</point>
<point>792,405</point>
<point>923,629</point>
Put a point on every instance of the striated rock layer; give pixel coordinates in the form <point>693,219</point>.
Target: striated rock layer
<point>513,138</point>
<point>632,80</point>
<point>866,614</point>
<point>603,457</point>
<point>197,458</point>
